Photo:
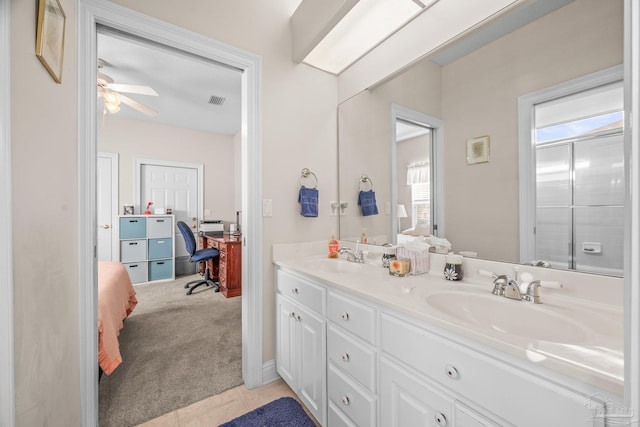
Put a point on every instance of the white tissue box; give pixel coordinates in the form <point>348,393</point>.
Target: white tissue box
<point>419,260</point>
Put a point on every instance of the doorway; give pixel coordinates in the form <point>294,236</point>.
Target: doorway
<point>416,173</point>
<point>92,13</point>
<point>572,174</point>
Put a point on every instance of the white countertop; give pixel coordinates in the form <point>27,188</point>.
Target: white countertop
<point>579,338</point>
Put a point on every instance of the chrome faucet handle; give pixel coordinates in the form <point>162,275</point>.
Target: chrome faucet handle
<point>533,294</point>
<point>499,282</point>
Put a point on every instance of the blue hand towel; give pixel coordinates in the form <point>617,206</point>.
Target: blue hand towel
<point>367,200</point>
<point>308,199</point>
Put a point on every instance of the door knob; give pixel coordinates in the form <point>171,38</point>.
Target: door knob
<point>193,226</point>
<point>106,226</point>
<point>194,219</point>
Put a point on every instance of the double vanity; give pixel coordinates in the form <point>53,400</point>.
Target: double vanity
<point>363,348</point>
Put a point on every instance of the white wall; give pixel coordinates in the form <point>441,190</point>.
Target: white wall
<point>135,139</point>
<point>299,130</point>
<point>44,140</point>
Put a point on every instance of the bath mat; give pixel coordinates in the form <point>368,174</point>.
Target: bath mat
<point>284,412</point>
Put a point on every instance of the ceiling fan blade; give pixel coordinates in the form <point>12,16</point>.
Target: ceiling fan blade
<point>136,105</point>
<point>139,89</point>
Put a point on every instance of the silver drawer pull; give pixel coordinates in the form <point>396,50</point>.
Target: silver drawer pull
<point>294,291</point>
<point>345,316</point>
<point>440,419</point>
<point>345,400</point>
<point>451,371</point>
<point>345,357</point>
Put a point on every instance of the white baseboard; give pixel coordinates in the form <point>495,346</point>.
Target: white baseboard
<point>269,373</point>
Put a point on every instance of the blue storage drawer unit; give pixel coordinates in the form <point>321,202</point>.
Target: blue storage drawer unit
<point>160,248</point>
<point>133,227</point>
<point>159,270</point>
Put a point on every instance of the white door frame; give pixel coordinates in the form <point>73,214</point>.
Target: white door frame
<point>115,191</point>
<point>437,162</point>
<point>101,12</point>
<point>7,397</point>
<point>199,167</point>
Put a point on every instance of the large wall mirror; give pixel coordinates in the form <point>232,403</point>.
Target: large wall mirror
<point>471,183</point>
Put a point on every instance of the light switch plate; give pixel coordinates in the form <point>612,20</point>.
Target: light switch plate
<point>267,207</point>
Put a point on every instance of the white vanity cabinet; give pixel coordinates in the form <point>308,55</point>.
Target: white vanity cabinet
<point>301,340</point>
<point>357,361</point>
<point>352,357</point>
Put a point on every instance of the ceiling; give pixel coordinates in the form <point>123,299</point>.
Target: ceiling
<point>185,83</point>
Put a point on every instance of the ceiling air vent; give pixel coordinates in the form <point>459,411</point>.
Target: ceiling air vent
<point>216,100</point>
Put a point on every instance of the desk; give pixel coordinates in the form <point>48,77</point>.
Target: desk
<point>228,269</point>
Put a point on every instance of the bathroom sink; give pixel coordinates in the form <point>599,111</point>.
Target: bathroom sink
<point>509,317</point>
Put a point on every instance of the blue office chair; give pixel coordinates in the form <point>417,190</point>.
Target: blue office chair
<point>197,256</point>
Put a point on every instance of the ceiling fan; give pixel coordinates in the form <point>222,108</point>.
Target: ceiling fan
<point>111,92</point>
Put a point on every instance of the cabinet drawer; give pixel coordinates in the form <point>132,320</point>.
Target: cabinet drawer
<point>159,270</point>
<point>353,356</point>
<point>159,227</point>
<point>137,271</point>
<point>355,317</point>
<point>337,418</point>
<point>160,248</point>
<point>357,403</point>
<point>306,293</point>
<point>481,379</point>
<point>133,250</point>
<point>133,228</point>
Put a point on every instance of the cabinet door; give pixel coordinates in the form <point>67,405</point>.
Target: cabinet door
<point>312,374</point>
<point>285,341</point>
<point>407,401</point>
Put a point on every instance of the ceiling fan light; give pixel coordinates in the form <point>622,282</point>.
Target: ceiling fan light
<point>112,98</point>
<point>112,108</point>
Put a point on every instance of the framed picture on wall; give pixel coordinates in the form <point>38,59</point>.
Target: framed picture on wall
<point>50,37</point>
<point>478,150</point>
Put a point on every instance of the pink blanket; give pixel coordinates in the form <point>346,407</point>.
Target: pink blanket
<point>116,300</point>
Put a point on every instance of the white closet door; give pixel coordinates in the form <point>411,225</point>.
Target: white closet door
<point>107,205</point>
<point>175,188</point>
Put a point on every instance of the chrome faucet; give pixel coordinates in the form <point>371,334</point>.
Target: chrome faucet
<point>358,256</point>
<point>512,290</point>
<point>507,287</point>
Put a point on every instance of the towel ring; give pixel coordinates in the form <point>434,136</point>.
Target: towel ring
<point>363,181</point>
<point>306,173</point>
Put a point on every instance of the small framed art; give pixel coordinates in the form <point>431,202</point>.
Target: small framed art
<point>50,37</point>
<point>478,150</point>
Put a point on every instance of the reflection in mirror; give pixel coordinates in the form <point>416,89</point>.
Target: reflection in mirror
<point>574,143</point>
<point>416,166</point>
<point>475,94</point>
<point>413,167</point>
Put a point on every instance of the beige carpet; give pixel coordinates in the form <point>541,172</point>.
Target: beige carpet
<point>176,350</point>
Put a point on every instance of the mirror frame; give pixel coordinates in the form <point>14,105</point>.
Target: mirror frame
<point>631,303</point>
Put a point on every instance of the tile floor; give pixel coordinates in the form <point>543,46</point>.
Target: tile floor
<point>223,407</point>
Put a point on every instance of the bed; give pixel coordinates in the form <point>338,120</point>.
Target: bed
<point>116,301</point>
